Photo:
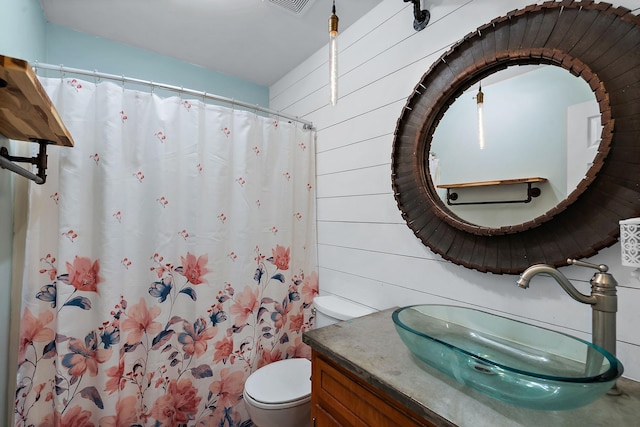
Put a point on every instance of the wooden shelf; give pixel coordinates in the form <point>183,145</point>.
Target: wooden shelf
<point>531,191</point>
<point>495,182</point>
<point>26,111</point>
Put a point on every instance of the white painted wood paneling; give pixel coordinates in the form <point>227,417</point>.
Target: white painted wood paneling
<point>366,252</point>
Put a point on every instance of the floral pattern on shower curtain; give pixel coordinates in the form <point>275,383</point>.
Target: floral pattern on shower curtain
<point>170,254</point>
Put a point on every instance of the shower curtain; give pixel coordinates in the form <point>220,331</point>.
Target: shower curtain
<point>171,253</point>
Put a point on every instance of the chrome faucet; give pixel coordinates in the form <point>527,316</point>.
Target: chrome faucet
<point>603,300</point>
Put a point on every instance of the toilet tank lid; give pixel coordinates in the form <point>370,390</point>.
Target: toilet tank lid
<point>280,382</point>
<point>340,308</point>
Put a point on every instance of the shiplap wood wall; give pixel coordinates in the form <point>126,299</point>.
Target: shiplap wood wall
<point>366,252</point>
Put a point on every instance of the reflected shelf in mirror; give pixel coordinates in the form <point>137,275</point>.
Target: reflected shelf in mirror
<point>532,192</point>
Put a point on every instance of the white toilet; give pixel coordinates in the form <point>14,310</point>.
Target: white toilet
<point>279,394</point>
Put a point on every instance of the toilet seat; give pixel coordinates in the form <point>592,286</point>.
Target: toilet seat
<point>279,385</point>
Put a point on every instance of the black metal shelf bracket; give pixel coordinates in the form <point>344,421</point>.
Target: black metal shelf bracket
<point>532,192</point>
<point>40,161</point>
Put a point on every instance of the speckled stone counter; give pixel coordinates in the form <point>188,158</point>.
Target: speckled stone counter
<point>370,348</point>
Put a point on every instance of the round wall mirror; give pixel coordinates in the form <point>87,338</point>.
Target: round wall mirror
<point>545,218</point>
<point>534,121</point>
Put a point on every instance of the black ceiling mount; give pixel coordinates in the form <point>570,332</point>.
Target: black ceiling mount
<point>421,16</point>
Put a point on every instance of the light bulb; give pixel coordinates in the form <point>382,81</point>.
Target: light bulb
<point>333,56</point>
<point>480,101</point>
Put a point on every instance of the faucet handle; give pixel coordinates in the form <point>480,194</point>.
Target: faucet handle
<point>601,267</point>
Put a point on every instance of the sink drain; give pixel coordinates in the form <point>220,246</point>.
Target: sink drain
<point>482,368</point>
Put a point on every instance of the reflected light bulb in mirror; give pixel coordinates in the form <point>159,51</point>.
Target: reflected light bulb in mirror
<point>333,56</point>
<point>480,101</point>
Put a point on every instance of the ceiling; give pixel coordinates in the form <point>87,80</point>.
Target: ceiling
<point>255,40</point>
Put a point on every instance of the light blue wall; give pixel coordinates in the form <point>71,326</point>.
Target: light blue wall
<point>22,29</point>
<point>79,50</point>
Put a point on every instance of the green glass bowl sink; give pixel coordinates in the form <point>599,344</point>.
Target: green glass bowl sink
<point>512,361</point>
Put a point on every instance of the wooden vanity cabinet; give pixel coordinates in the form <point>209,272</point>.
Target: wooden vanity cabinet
<point>340,398</point>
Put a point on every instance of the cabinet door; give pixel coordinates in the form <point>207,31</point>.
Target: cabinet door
<point>340,398</point>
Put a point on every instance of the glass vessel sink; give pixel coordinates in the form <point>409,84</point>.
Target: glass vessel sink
<point>512,361</point>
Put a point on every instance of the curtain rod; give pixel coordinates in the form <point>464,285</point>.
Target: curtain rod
<point>307,124</point>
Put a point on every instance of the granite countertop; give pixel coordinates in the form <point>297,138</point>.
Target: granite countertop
<point>370,348</point>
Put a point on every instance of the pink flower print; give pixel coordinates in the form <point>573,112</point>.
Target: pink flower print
<point>241,181</point>
<point>222,217</point>
<point>281,257</point>
<point>224,349</point>
<point>55,197</point>
<point>297,216</point>
<point>303,146</point>
<point>52,271</point>
<point>116,381</point>
<point>75,84</point>
<point>38,389</point>
<point>71,235</point>
<point>187,105</point>
<point>297,322</point>
<point>139,176</point>
<point>161,269</point>
<point>162,201</point>
<point>126,262</point>
<point>161,136</point>
<point>34,329</point>
<point>83,274</point>
<point>199,167</point>
<point>226,131</point>
<point>309,187</point>
<point>269,357</point>
<point>74,417</point>
<point>274,230</point>
<point>178,406</point>
<point>184,234</point>
<point>276,124</point>
<point>123,116</point>
<point>256,150</point>
<point>245,304</point>
<point>287,176</point>
<point>140,320</point>
<point>194,338</point>
<point>310,287</point>
<point>279,316</point>
<point>258,203</point>
<point>85,356</point>
<point>126,414</point>
<point>95,157</point>
<point>232,256</point>
<point>299,349</point>
<point>259,257</point>
<point>229,388</point>
<point>194,268</point>
<point>118,216</point>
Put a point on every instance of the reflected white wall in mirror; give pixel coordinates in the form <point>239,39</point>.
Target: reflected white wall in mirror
<point>526,126</point>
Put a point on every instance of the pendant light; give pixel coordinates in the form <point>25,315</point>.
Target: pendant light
<point>333,55</point>
<point>480,102</point>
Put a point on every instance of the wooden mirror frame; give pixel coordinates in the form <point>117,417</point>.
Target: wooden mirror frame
<point>595,41</point>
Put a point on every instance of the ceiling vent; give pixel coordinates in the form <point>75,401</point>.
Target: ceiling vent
<point>297,7</point>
